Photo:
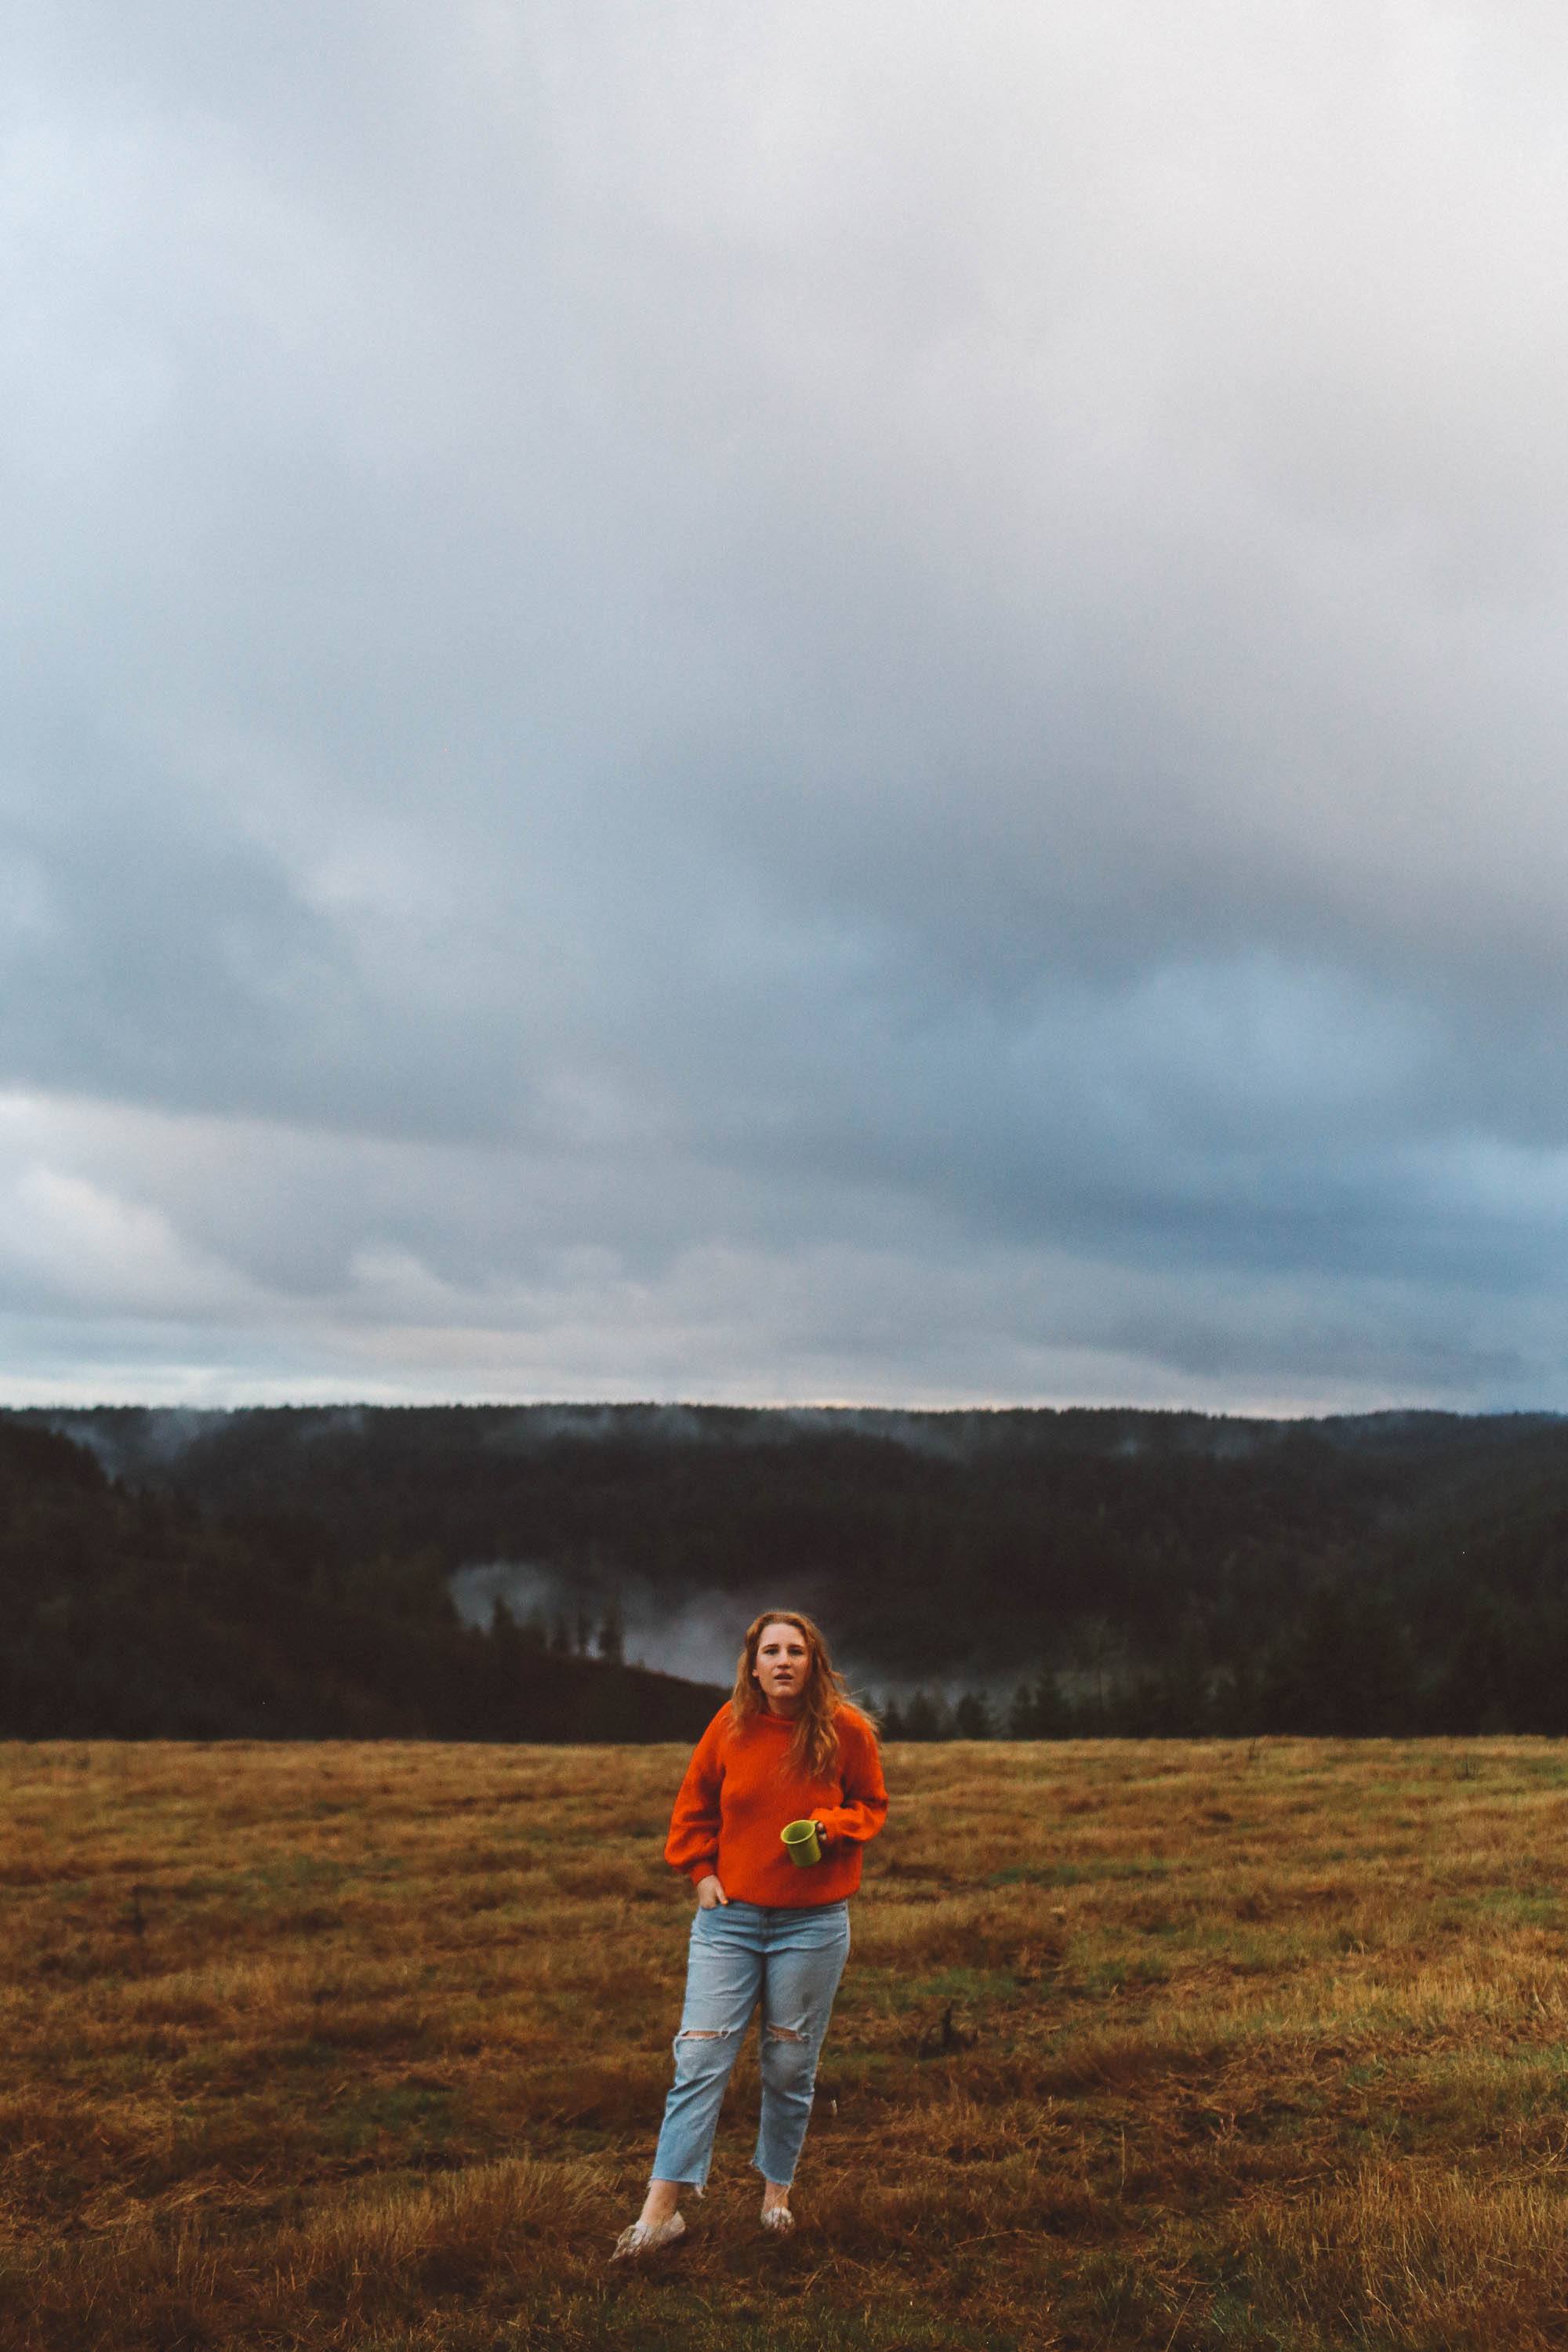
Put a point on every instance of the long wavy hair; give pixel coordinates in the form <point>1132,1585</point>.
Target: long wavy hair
<point>815,1748</point>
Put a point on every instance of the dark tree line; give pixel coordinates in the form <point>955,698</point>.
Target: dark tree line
<point>1072,1573</point>
<point>140,1615</point>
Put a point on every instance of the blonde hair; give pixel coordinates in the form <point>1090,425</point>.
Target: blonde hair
<point>815,1747</point>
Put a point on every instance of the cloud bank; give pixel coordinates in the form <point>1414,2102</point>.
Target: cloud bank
<point>783,704</point>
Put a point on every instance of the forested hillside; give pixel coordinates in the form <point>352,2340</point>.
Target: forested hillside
<point>146,1614</point>
<point>1117,1571</point>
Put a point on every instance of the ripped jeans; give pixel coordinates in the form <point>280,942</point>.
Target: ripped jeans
<point>790,1960</point>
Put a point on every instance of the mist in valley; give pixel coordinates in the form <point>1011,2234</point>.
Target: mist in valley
<point>697,1636</point>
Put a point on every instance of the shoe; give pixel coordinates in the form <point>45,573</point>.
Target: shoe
<point>779,2219</point>
<point>648,2238</point>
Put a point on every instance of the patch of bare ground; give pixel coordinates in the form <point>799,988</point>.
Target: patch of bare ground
<point>1185,2046</point>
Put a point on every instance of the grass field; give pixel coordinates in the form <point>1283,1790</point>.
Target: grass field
<point>1162,2044</point>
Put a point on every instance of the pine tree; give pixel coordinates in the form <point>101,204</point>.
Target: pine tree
<point>972,1717</point>
<point>611,1640</point>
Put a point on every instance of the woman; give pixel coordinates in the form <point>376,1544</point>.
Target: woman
<point>787,1746</point>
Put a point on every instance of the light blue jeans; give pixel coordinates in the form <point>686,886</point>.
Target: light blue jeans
<point>741,1954</point>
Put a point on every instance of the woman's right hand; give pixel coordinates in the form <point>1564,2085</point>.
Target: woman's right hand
<point>710,1894</point>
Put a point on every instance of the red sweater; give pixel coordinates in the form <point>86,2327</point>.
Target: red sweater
<point>741,1788</point>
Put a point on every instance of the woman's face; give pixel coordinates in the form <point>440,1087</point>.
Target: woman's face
<point>782,1667</point>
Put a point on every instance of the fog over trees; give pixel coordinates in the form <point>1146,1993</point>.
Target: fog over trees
<point>1033,1573</point>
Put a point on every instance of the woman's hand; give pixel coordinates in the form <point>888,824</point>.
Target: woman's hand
<point>710,1894</point>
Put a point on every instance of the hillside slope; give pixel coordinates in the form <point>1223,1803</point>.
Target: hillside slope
<point>1133,1572</point>
<point>143,1614</point>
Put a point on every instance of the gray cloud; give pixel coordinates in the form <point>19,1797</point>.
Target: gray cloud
<point>821,707</point>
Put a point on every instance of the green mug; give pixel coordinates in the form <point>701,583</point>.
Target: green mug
<point>802,1843</point>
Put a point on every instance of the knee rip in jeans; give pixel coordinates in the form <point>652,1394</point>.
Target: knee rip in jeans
<point>701,2033</point>
<point>785,2034</point>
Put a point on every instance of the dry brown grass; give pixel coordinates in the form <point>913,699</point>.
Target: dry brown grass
<point>1172,2045</point>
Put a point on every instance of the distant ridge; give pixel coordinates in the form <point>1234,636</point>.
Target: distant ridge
<point>1131,1568</point>
<point>138,1613</point>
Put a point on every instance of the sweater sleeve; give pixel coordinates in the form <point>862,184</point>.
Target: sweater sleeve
<point>692,1845</point>
<point>865,1805</point>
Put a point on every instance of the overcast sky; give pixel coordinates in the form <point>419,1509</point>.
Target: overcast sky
<point>802,702</point>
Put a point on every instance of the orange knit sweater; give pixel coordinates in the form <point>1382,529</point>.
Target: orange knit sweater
<point>741,1788</point>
